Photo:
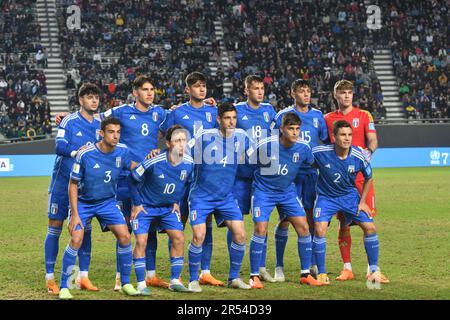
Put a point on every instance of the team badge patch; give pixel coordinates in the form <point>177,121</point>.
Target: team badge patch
<point>355,122</point>
<point>315,122</point>
<point>97,134</point>
<point>266,116</point>
<point>257,212</point>
<point>317,212</point>
<point>155,116</point>
<point>183,175</point>
<point>135,224</point>
<point>208,116</point>
<point>76,168</point>
<point>371,126</point>
<point>118,162</point>
<point>351,169</point>
<point>54,208</point>
<point>193,215</point>
<point>61,133</point>
<point>295,157</point>
<point>140,170</point>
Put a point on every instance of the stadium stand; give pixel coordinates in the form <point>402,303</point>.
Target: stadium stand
<point>318,41</point>
<point>120,39</point>
<point>417,32</point>
<point>24,108</point>
<point>399,71</point>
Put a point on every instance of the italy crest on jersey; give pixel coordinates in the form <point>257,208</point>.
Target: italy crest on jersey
<point>208,116</point>
<point>257,212</point>
<point>155,116</point>
<point>351,169</point>
<point>54,208</point>
<point>135,224</point>
<point>315,122</point>
<point>355,122</point>
<point>193,215</point>
<point>266,116</point>
<point>183,175</point>
<point>295,157</point>
<point>317,212</point>
<point>97,134</point>
<point>118,162</point>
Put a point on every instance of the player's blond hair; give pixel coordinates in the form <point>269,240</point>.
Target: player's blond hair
<point>343,85</point>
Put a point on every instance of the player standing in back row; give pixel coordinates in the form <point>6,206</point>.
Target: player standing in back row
<point>195,116</point>
<point>255,117</point>
<point>364,137</point>
<point>313,131</point>
<point>75,132</point>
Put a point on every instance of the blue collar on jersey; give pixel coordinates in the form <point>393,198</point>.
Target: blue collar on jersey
<point>309,108</point>
<point>84,119</point>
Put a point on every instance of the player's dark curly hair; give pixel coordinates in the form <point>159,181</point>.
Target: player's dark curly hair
<point>107,121</point>
<point>300,83</point>
<point>174,129</point>
<point>193,77</point>
<point>340,124</point>
<point>140,81</point>
<point>225,107</point>
<point>291,119</point>
<point>89,88</point>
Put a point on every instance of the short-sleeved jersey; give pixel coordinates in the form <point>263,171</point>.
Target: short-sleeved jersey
<point>360,120</point>
<point>191,118</point>
<point>138,129</point>
<point>163,184</point>
<point>278,166</point>
<point>97,172</point>
<point>256,122</point>
<point>216,160</point>
<point>336,176</point>
<point>313,129</point>
<point>74,131</point>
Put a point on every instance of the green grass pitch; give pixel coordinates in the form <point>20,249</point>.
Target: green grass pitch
<point>413,227</point>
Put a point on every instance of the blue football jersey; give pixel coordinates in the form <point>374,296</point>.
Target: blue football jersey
<point>162,183</point>
<point>278,166</point>
<point>97,172</point>
<point>138,130</point>
<point>74,131</point>
<point>191,118</point>
<point>256,122</point>
<point>336,176</point>
<point>216,160</point>
<point>313,129</point>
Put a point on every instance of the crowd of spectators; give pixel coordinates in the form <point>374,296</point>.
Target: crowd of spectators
<point>416,32</point>
<point>284,40</point>
<point>120,39</point>
<point>24,110</point>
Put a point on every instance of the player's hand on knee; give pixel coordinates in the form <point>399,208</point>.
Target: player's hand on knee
<point>364,207</point>
<point>210,101</point>
<point>59,116</point>
<point>135,211</point>
<point>153,154</point>
<point>73,223</point>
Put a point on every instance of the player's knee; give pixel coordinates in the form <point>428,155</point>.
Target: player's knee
<point>124,239</point>
<point>319,230</point>
<point>260,230</point>
<point>141,243</point>
<point>198,238</point>
<point>239,236</point>
<point>55,223</point>
<point>76,242</point>
<point>370,229</point>
<point>284,224</point>
<point>178,239</point>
